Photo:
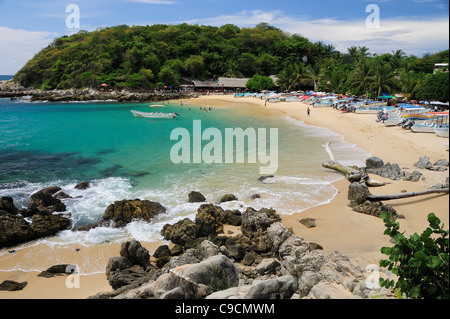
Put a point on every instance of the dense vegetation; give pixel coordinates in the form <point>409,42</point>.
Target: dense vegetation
<point>421,262</point>
<point>153,56</point>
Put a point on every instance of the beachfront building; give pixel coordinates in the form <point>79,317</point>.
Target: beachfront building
<point>440,67</point>
<point>225,85</point>
<point>222,84</point>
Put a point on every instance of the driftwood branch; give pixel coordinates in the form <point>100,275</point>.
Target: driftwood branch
<point>351,173</point>
<point>376,198</point>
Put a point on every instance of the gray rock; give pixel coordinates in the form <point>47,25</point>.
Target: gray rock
<point>391,171</point>
<point>196,197</point>
<point>228,198</point>
<point>358,192</point>
<point>217,272</point>
<point>308,222</point>
<point>441,162</point>
<point>191,256</point>
<point>135,253</point>
<point>162,251</point>
<point>208,249</point>
<point>414,176</point>
<point>10,285</point>
<point>231,293</point>
<point>424,162</point>
<point>7,205</point>
<point>276,288</point>
<point>374,162</point>
<point>267,266</point>
<point>326,290</point>
<point>437,168</point>
<point>181,232</point>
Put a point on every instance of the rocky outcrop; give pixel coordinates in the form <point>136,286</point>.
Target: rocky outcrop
<point>12,89</point>
<point>7,205</point>
<point>196,197</point>
<point>376,166</point>
<point>124,211</point>
<point>181,232</point>
<point>132,268</point>
<point>11,285</point>
<point>228,198</point>
<point>424,162</point>
<point>15,229</point>
<point>358,193</point>
<point>44,201</point>
<point>285,266</point>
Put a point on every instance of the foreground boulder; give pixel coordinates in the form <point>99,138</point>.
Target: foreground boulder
<point>276,265</point>
<point>196,280</point>
<point>358,193</point>
<point>7,205</point>
<point>131,268</point>
<point>124,211</point>
<point>181,232</point>
<point>44,201</point>
<point>14,229</point>
<point>196,197</point>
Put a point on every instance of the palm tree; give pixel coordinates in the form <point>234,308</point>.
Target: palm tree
<point>362,77</point>
<point>363,52</point>
<point>314,74</point>
<point>284,79</point>
<point>383,78</point>
<point>397,58</point>
<point>292,76</point>
<point>336,80</point>
<point>410,84</point>
<point>352,51</point>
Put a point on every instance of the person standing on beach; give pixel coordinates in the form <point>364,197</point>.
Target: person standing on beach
<point>308,111</point>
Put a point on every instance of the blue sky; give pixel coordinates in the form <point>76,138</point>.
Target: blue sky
<point>415,26</point>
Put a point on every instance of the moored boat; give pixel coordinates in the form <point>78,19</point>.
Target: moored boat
<point>155,115</point>
<point>442,131</point>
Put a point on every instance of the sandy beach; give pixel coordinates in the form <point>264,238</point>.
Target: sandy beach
<point>356,235</point>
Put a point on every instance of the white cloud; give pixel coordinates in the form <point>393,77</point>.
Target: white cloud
<point>18,46</point>
<point>412,35</point>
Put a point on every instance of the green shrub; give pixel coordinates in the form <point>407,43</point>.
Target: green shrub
<point>421,262</point>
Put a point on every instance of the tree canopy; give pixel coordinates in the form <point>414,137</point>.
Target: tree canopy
<point>141,57</point>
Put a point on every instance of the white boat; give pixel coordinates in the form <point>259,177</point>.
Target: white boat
<point>155,115</point>
<point>372,110</point>
<point>442,131</point>
<point>423,128</point>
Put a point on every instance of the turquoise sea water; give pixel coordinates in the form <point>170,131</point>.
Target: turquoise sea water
<point>45,144</point>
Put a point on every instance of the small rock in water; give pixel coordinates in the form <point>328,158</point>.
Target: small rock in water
<point>82,185</point>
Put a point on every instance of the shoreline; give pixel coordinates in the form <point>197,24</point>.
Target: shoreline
<point>356,235</point>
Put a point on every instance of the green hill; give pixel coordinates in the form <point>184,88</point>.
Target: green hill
<point>143,56</point>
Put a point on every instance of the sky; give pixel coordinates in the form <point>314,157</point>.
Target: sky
<point>415,26</point>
